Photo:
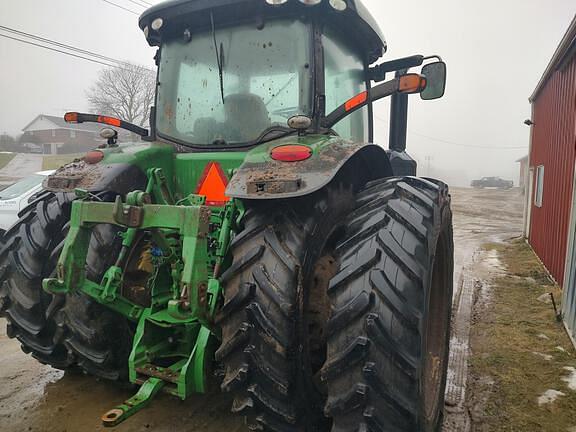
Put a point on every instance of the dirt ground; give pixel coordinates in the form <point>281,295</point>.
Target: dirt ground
<point>481,216</point>
<point>34,397</point>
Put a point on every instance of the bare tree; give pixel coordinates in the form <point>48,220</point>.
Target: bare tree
<point>126,92</point>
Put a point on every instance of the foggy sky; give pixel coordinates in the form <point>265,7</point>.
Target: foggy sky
<point>496,52</point>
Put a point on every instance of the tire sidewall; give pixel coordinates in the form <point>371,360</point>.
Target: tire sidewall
<point>444,229</point>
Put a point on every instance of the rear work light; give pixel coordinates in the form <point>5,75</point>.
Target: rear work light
<point>291,153</point>
<point>213,184</point>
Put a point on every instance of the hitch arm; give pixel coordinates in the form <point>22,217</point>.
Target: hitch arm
<point>131,406</point>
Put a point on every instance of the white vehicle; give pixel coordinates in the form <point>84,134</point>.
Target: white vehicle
<point>17,196</point>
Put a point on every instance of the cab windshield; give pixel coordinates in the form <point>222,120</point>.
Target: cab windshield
<point>266,79</point>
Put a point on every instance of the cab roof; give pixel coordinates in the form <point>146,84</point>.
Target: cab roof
<point>196,15</point>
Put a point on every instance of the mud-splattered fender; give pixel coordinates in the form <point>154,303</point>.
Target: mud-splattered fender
<point>122,170</point>
<point>260,177</point>
<point>120,178</point>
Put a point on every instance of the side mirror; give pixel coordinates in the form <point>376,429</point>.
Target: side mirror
<point>435,74</point>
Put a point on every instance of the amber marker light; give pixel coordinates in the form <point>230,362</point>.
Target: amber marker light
<point>356,101</point>
<point>109,121</point>
<point>411,83</point>
<point>71,117</point>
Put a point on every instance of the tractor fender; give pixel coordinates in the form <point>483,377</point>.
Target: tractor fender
<point>262,178</point>
<point>114,177</point>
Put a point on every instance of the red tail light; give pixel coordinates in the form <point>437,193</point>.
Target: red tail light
<point>291,153</point>
<point>93,157</point>
<point>213,185</point>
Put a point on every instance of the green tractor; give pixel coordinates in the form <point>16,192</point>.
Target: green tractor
<point>254,234</point>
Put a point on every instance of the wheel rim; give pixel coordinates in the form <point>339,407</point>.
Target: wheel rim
<point>316,313</point>
<point>318,309</point>
<point>436,334</point>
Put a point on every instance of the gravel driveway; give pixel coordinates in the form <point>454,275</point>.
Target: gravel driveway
<point>22,165</point>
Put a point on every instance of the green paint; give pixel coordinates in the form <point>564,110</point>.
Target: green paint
<point>189,248</point>
<point>191,243</point>
<point>131,406</point>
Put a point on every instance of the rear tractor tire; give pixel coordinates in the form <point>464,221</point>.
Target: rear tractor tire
<point>99,338</point>
<point>388,335</point>
<point>337,310</point>
<point>29,255</point>
<point>266,352</point>
<point>62,331</point>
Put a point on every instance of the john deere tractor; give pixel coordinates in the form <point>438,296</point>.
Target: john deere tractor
<point>255,233</point>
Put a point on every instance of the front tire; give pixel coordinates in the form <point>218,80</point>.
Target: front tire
<point>389,329</point>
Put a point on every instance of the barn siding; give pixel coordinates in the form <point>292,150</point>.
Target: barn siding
<point>554,146</point>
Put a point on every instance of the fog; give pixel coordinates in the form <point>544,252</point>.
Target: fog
<point>496,52</point>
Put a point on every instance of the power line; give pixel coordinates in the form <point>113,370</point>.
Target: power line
<point>466,145</point>
<point>120,7</point>
<point>105,60</point>
<point>452,142</point>
<point>138,4</point>
<point>60,51</point>
<point>61,45</point>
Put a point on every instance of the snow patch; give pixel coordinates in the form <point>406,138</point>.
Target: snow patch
<point>543,336</point>
<point>546,357</point>
<point>549,396</point>
<point>545,298</point>
<point>570,379</point>
<point>561,349</point>
<point>492,260</point>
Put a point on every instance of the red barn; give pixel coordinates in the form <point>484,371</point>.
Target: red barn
<point>551,203</point>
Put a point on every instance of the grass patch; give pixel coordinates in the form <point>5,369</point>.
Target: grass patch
<point>56,161</point>
<point>506,376</point>
<point>5,158</point>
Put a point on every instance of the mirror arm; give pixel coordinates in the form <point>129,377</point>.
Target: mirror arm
<point>354,104</point>
<point>74,117</point>
<point>378,73</point>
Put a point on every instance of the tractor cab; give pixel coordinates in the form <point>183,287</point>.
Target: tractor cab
<point>232,73</point>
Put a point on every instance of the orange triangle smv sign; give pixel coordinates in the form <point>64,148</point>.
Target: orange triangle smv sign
<point>213,185</point>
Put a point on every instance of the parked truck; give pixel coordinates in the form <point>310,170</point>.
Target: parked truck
<point>492,182</point>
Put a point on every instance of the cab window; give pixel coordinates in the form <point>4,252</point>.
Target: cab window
<point>344,78</point>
